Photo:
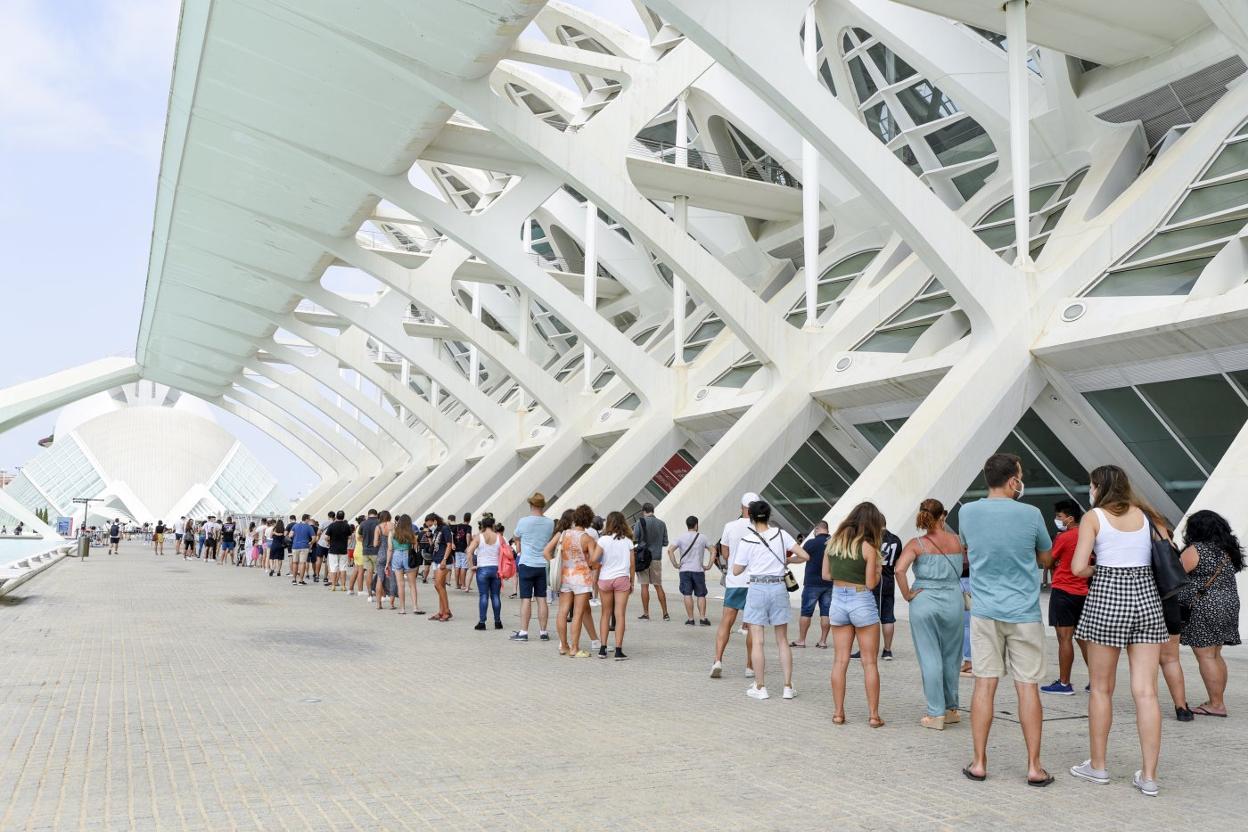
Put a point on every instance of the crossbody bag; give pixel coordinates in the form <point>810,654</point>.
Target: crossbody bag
<point>790,582</point>
<point>966,596</point>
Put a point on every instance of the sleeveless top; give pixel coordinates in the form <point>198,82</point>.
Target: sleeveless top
<point>398,551</point>
<point>575,566</point>
<point>1117,549</point>
<point>487,553</point>
<point>937,570</point>
<point>848,570</point>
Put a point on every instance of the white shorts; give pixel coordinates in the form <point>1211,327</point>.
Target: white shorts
<point>338,563</point>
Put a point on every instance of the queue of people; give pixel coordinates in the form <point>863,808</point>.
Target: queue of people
<point>973,594</point>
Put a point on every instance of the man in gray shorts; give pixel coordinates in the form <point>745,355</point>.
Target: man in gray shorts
<point>651,532</point>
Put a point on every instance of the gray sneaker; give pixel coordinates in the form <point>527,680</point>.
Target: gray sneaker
<point>1146,787</point>
<point>519,636</point>
<point>1084,771</point>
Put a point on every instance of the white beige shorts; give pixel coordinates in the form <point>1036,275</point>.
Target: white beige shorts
<point>1001,648</point>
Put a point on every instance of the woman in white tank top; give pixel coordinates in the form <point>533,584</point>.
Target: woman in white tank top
<point>1123,610</point>
<point>486,547</point>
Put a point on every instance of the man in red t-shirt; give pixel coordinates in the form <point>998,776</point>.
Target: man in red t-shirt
<point>1066,595</point>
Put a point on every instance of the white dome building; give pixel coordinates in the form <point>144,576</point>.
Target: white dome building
<point>147,453</point>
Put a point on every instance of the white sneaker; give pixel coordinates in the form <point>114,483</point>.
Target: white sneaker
<point>371,599</point>
<point>595,644</point>
<point>757,693</point>
<point>742,631</point>
<point>717,670</point>
<point>789,693</point>
<point>594,602</point>
<point>749,673</point>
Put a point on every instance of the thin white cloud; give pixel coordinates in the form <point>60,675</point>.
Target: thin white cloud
<point>94,78</point>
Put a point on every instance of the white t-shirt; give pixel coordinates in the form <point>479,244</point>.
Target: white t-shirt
<point>762,553</point>
<point>730,538</point>
<point>617,553</point>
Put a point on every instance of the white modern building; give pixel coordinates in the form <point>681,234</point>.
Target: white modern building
<point>143,453</point>
<point>448,253</point>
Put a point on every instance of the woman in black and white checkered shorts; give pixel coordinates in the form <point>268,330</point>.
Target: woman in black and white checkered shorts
<point>1123,610</point>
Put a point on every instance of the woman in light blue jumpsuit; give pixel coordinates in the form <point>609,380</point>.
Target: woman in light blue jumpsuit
<point>936,609</point>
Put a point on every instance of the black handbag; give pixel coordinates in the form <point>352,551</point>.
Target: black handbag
<point>1168,572</point>
<point>641,550</point>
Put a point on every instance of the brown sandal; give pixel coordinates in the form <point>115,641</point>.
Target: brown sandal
<point>875,722</point>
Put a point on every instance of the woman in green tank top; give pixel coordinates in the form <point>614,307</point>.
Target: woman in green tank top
<point>851,562</point>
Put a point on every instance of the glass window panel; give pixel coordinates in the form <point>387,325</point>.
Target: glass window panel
<point>928,306</point>
<point>1149,441</point>
<point>1205,412</point>
<point>629,402</point>
<point>1233,159</point>
<point>708,330</point>
<point>1166,279</point>
<point>1039,196</point>
<point>825,72</point>
<point>736,376</point>
<point>907,157</point>
<point>877,433</point>
<point>1050,448</point>
<point>840,465</point>
<point>969,183</point>
<point>894,340</point>
<point>641,337</point>
<point>798,316</point>
<point>851,265</point>
<point>1050,222</point>
<point>881,122</point>
<point>925,102</point>
<point>1002,212</point>
<point>787,512</point>
<point>1212,199</point>
<point>1073,183</point>
<point>1001,235</point>
<point>962,141</point>
<point>862,34</point>
<point>893,68</point>
<point>1184,237</point>
<point>864,86</point>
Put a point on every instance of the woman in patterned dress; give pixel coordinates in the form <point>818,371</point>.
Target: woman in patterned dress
<point>1212,558</point>
<point>575,579</point>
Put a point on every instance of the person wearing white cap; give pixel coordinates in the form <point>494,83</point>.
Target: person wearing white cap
<point>735,588</point>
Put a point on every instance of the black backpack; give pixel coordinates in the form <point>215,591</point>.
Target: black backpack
<point>641,552</point>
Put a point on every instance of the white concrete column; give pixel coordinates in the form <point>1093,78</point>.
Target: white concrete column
<point>526,314</point>
<point>810,187</point>
<point>474,357</point>
<point>591,282</point>
<point>682,223</point>
<point>1020,121</point>
<point>678,288</point>
<point>405,378</point>
<point>526,235</point>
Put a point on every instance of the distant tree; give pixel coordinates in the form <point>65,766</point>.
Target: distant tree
<point>42,514</point>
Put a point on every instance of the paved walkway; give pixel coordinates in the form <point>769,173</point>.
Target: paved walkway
<point>139,693</point>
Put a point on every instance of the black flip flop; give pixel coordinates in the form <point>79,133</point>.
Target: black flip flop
<point>1201,710</point>
<point>795,644</point>
<point>1040,784</point>
<point>970,775</point>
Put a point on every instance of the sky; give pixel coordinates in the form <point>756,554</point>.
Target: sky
<point>83,92</point>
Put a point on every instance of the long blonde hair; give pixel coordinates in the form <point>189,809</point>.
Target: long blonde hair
<point>865,524</point>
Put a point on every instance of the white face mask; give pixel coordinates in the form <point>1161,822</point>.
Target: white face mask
<point>1061,527</point>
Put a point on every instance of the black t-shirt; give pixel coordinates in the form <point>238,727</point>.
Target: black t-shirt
<point>461,533</point>
<point>227,532</point>
<point>442,537</point>
<point>339,533</point>
<point>890,548</point>
<point>160,528</point>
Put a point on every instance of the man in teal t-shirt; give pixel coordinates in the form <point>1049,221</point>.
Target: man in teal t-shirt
<point>1007,544</point>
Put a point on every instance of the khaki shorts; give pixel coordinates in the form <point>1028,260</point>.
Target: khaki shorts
<point>299,555</point>
<point>999,648</point>
<point>367,562</point>
<point>652,574</point>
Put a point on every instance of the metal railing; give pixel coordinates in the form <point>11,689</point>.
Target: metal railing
<point>701,160</point>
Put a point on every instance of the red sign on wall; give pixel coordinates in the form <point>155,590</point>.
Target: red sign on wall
<point>672,472</point>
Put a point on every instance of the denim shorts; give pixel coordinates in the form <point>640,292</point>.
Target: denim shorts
<point>822,595</point>
<point>734,597</point>
<point>852,607</point>
<point>693,583</point>
<point>767,604</point>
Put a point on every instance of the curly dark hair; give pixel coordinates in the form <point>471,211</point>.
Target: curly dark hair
<point>1210,527</point>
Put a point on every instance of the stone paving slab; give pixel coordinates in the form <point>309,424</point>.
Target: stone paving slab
<point>152,694</point>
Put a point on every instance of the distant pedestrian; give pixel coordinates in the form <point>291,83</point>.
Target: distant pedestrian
<point>689,555</point>
<point>650,535</point>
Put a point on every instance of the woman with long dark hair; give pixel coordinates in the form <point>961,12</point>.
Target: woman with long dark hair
<point>936,608</point>
<point>277,547</point>
<point>1123,610</point>
<point>851,563</point>
<point>384,577</point>
<point>1212,559</point>
<point>613,555</point>
<point>487,546</point>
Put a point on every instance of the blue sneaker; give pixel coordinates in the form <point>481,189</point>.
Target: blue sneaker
<point>1058,688</point>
